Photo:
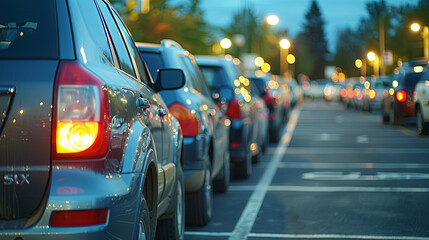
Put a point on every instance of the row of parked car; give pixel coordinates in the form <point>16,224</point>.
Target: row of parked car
<point>105,138</point>
<point>402,95</point>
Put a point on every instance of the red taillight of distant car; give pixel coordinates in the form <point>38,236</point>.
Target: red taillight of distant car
<point>401,96</point>
<point>78,218</point>
<point>234,111</point>
<point>188,121</point>
<point>343,93</point>
<point>350,93</point>
<point>81,115</point>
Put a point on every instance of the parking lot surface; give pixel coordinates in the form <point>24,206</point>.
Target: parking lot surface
<point>335,174</point>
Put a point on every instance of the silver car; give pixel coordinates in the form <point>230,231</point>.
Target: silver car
<point>88,149</point>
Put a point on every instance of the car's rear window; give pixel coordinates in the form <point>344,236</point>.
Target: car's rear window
<point>28,29</point>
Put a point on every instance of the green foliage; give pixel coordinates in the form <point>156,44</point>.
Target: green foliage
<point>314,40</point>
<point>183,24</point>
<point>404,43</point>
<point>349,47</point>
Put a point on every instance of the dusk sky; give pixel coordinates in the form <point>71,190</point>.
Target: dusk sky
<point>337,14</point>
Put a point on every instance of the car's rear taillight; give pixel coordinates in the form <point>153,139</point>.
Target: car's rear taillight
<point>372,94</point>
<point>234,111</point>
<point>188,121</point>
<point>401,96</point>
<point>81,114</point>
<point>270,101</point>
<point>350,93</point>
<point>343,93</point>
<point>78,218</point>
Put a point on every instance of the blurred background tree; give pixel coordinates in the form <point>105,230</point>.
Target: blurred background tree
<point>314,39</point>
<point>183,24</point>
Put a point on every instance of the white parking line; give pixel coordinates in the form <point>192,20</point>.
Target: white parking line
<point>248,216</point>
<point>320,165</point>
<point>246,188</point>
<point>297,236</point>
<point>328,150</point>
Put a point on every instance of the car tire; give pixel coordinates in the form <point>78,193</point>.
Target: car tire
<point>144,224</point>
<point>221,182</point>
<point>172,226</point>
<point>243,168</point>
<point>394,119</point>
<point>199,203</point>
<point>385,118</point>
<point>422,126</point>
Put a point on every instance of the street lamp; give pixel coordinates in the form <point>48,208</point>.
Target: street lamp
<point>273,20</point>
<point>425,35</point>
<point>284,51</point>
<point>374,58</point>
<point>225,43</point>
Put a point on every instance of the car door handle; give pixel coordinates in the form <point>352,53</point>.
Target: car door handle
<point>162,112</point>
<point>143,103</point>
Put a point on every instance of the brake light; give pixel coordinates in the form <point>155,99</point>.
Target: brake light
<point>78,218</point>
<point>372,93</point>
<point>343,93</point>
<point>270,100</point>
<point>235,144</point>
<point>401,96</point>
<point>82,113</point>
<point>188,121</point>
<point>350,93</point>
<point>234,111</point>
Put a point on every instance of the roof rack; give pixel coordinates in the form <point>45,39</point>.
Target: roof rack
<point>170,43</point>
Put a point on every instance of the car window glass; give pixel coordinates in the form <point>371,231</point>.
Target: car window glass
<point>121,49</point>
<point>411,79</point>
<point>154,63</point>
<point>134,52</point>
<point>28,29</point>
<point>194,66</point>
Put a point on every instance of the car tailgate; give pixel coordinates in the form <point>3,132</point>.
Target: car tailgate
<point>27,90</point>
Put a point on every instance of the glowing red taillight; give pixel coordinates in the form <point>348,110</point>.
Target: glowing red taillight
<point>401,96</point>
<point>188,121</point>
<point>343,93</point>
<point>81,115</point>
<point>350,93</point>
<point>270,101</point>
<point>78,218</point>
<point>234,111</point>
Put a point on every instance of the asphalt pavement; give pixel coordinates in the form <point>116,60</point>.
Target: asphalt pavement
<point>335,174</point>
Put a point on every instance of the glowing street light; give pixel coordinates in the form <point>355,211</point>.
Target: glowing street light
<point>415,27</point>
<point>425,35</point>
<point>358,63</point>
<point>259,61</point>
<point>284,43</point>
<point>284,52</point>
<point>225,43</point>
<point>290,59</point>
<point>273,20</point>
<point>373,58</point>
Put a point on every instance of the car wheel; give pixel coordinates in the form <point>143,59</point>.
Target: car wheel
<point>143,228</point>
<point>385,118</point>
<point>173,225</point>
<point>394,119</point>
<point>199,203</point>
<point>257,157</point>
<point>221,182</point>
<point>422,126</point>
<point>243,169</point>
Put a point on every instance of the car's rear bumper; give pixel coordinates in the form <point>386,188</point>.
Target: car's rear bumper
<point>195,153</point>
<point>81,189</point>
